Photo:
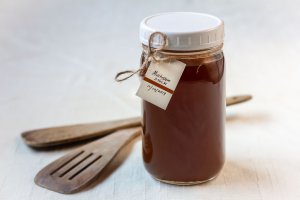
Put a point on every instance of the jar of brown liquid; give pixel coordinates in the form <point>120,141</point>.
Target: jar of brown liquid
<point>184,144</point>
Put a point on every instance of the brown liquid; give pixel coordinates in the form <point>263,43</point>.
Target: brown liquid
<point>185,142</point>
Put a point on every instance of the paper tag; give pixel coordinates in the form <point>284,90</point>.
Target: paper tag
<point>160,81</point>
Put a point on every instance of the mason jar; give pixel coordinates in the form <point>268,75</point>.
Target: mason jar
<point>184,144</point>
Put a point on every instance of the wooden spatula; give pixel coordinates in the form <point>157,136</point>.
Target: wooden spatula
<point>75,170</point>
<point>54,136</point>
<point>67,134</point>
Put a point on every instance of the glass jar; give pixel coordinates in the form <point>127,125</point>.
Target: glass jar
<point>184,144</point>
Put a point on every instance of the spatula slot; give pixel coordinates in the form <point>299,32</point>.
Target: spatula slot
<point>85,167</point>
<point>76,164</point>
<point>67,162</point>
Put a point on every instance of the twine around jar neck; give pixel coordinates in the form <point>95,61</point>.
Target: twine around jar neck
<point>161,54</point>
<point>150,56</point>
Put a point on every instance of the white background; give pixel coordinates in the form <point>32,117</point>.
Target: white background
<point>58,59</point>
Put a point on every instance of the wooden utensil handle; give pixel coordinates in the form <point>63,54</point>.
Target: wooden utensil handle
<point>237,99</point>
<point>67,134</point>
<point>117,139</point>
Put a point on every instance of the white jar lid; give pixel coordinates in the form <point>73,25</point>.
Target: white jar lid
<point>186,31</point>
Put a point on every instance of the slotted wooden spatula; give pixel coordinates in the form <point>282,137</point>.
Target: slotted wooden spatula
<point>75,170</point>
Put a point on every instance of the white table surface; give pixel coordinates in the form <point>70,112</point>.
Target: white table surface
<point>58,59</point>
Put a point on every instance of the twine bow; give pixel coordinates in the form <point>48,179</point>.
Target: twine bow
<point>150,56</point>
